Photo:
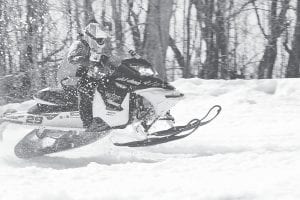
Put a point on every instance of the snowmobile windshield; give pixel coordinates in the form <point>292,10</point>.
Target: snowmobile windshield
<point>141,65</point>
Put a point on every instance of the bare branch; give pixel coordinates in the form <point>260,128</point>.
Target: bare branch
<point>179,57</point>
<point>240,10</point>
<point>48,57</point>
<point>258,20</point>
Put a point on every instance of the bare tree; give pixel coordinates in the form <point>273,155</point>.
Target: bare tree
<point>88,11</point>
<point>156,37</point>
<point>277,24</point>
<point>205,15</point>
<point>186,69</point>
<point>117,17</point>
<point>134,22</point>
<point>222,42</point>
<point>31,51</point>
<point>293,67</point>
<point>3,36</point>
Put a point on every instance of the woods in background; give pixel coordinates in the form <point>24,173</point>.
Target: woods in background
<point>209,39</point>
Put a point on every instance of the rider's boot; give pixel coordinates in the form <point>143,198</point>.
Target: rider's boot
<point>140,131</point>
<point>97,125</point>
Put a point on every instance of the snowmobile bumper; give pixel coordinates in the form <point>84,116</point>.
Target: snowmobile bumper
<point>175,95</point>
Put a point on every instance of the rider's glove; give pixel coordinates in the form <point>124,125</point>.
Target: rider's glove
<point>114,61</point>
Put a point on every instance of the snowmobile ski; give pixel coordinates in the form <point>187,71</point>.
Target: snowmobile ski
<point>174,133</point>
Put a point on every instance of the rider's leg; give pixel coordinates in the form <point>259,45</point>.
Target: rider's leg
<point>85,109</point>
<point>86,94</point>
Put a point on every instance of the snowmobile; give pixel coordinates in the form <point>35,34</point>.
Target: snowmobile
<point>145,99</point>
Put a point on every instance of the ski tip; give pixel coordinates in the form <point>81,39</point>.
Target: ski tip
<point>218,107</point>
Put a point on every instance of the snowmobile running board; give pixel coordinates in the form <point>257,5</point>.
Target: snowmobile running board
<point>174,133</point>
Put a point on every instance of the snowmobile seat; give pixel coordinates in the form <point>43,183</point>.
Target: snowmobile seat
<point>60,97</point>
<point>43,108</point>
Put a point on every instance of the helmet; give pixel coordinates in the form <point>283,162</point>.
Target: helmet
<point>95,36</point>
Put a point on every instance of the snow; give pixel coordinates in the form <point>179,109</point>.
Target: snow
<point>251,151</point>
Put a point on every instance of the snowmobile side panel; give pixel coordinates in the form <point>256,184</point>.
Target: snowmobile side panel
<point>62,119</point>
<point>111,117</point>
<point>159,99</point>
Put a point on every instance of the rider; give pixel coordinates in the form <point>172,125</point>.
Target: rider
<point>92,48</point>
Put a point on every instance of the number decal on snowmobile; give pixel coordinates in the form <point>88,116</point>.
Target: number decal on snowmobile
<point>74,114</point>
<point>34,119</point>
<point>50,116</point>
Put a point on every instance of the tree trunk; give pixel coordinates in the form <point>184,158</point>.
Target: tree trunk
<point>2,38</point>
<point>88,11</point>
<point>35,20</point>
<point>205,17</point>
<point>156,37</point>
<point>29,65</point>
<point>77,16</point>
<point>186,68</point>
<point>117,16</point>
<point>133,21</point>
<point>293,68</point>
<point>276,23</point>
<point>211,64</point>
<point>266,65</point>
<point>179,57</point>
<point>222,39</point>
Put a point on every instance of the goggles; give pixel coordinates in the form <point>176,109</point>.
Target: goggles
<point>99,41</point>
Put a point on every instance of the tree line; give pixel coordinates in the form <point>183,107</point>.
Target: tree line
<point>209,39</point>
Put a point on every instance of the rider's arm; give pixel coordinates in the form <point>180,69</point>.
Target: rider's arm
<point>112,58</point>
<point>79,54</point>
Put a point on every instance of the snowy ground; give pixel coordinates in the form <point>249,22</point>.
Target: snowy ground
<point>251,151</point>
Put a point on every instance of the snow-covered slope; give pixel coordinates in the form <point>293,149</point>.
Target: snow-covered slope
<point>251,151</point>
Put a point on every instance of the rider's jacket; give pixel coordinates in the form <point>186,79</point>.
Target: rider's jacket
<point>80,54</point>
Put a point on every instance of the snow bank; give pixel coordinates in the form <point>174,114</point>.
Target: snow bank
<point>251,151</point>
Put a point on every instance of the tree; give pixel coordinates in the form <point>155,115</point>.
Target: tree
<point>37,11</point>
<point>117,17</point>
<point>88,11</point>
<point>214,22</point>
<point>222,42</point>
<point>156,37</point>
<point>3,36</point>
<point>293,67</point>
<point>133,21</point>
<point>277,24</point>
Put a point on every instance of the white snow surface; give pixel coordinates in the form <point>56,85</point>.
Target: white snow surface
<point>250,151</point>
